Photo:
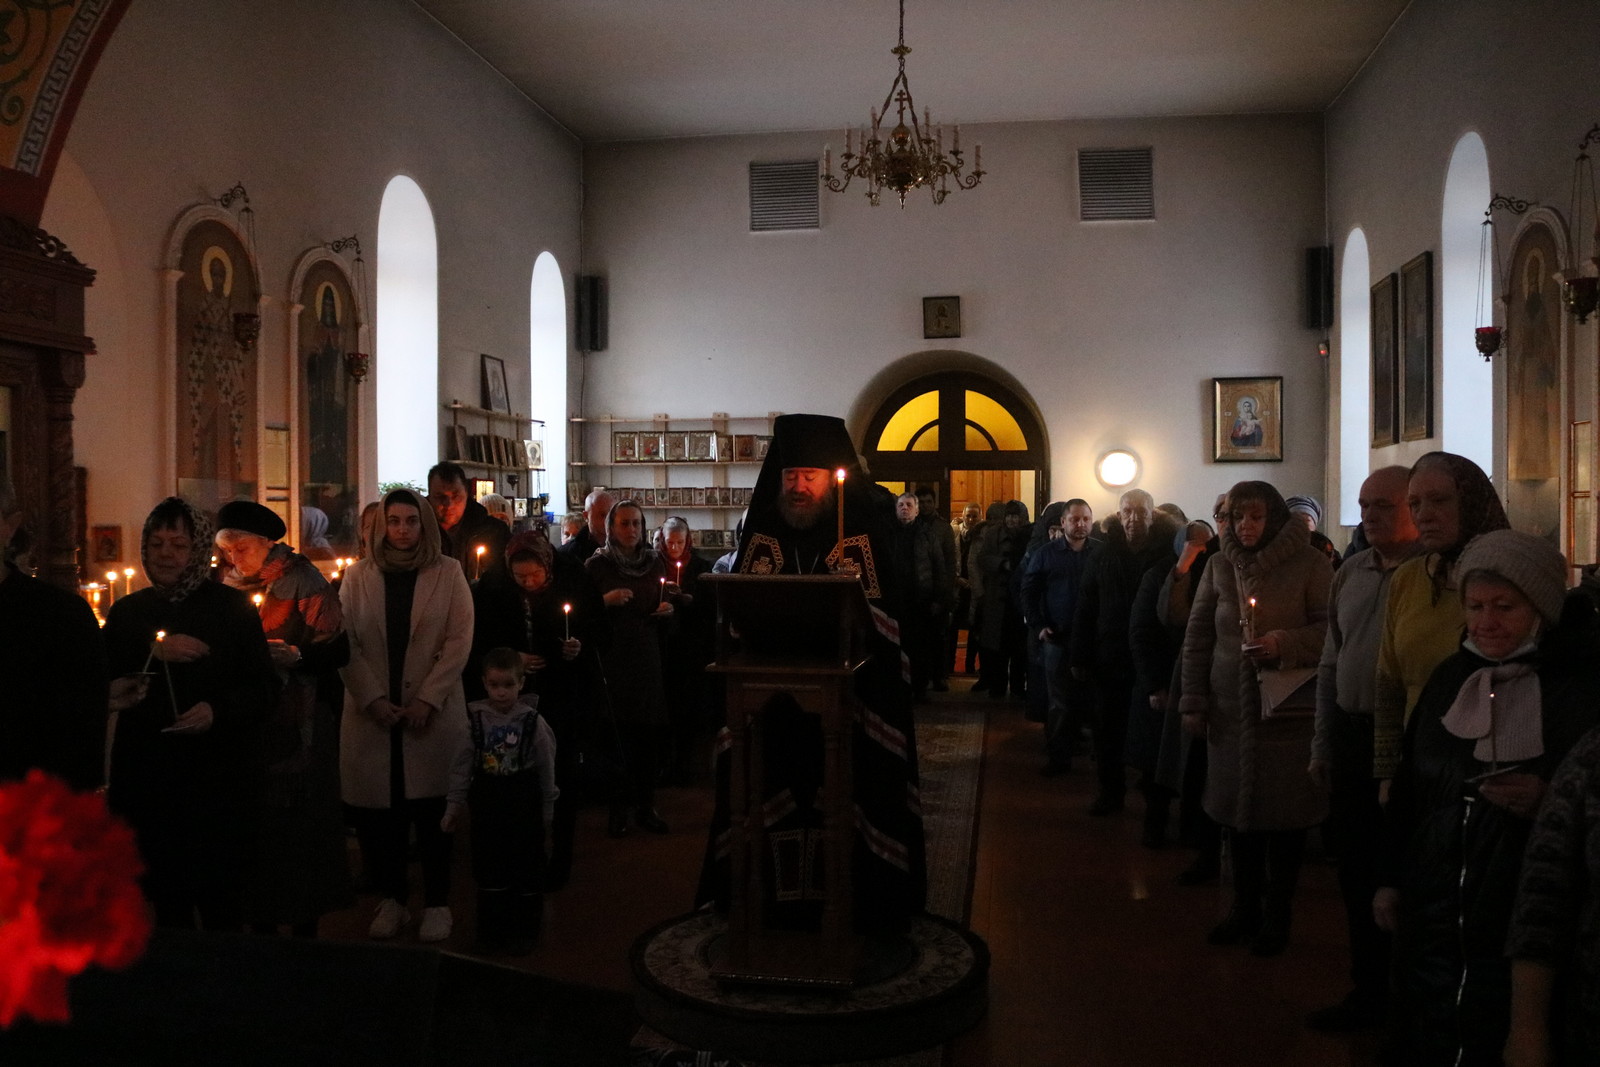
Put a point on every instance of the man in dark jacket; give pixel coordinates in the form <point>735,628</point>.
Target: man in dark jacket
<point>1136,540</point>
<point>927,585</point>
<point>1050,598</point>
<point>945,537</point>
<point>592,535</point>
<point>469,534</point>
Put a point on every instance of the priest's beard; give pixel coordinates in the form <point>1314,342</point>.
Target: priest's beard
<point>802,511</point>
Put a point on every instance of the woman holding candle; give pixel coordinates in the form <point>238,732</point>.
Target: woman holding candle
<point>301,870</point>
<point>629,576</point>
<point>1263,607</point>
<point>186,757</point>
<point>542,604</point>
<point>685,649</point>
<point>1493,723</point>
<point>403,736</point>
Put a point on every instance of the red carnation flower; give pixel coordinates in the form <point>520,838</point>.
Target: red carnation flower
<point>69,894</point>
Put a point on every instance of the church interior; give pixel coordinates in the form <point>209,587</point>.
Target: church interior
<point>294,252</point>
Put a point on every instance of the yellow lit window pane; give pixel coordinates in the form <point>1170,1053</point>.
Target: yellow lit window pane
<point>917,413</point>
<point>927,440</point>
<point>976,442</point>
<point>986,412</point>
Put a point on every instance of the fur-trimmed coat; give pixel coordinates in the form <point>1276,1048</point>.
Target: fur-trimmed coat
<point>1257,778</point>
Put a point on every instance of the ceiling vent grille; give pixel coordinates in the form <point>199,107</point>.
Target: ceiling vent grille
<point>783,196</point>
<point>1115,183</point>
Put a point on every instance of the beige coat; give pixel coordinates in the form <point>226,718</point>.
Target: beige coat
<point>441,640</point>
<point>1257,776</point>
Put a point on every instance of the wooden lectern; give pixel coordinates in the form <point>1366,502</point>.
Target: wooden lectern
<point>803,636</point>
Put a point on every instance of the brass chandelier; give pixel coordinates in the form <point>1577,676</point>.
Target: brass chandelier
<point>911,156</point>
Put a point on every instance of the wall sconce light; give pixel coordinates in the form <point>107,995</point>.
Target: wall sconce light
<point>1117,469</point>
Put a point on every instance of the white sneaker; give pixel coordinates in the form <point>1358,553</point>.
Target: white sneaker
<point>436,924</point>
<point>391,916</point>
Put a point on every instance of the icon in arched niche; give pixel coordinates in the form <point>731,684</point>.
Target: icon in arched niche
<point>329,328</point>
<point>217,416</point>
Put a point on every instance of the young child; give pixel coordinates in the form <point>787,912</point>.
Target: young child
<point>512,800</point>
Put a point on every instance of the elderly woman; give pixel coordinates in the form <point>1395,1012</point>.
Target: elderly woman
<point>404,749</point>
<point>301,871</point>
<point>632,579</point>
<point>195,685</point>
<point>1451,501</point>
<point>1491,726</point>
<point>542,605</point>
<point>685,647</point>
<point>1257,626</point>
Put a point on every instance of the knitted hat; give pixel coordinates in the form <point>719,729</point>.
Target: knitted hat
<point>1530,563</point>
<point>251,517</point>
<point>1306,505</point>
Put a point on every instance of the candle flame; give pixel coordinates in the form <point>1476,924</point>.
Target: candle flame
<point>161,635</point>
<point>839,474</point>
<point>258,600</point>
<point>127,572</point>
<point>111,576</point>
<point>566,609</point>
<point>1252,601</point>
<point>481,550</point>
<point>335,575</point>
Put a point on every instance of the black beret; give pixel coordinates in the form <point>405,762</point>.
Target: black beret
<point>251,517</point>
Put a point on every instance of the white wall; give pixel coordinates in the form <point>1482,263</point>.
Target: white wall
<point>1520,75</point>
<point>314,105</point>
<point>1114,329</point>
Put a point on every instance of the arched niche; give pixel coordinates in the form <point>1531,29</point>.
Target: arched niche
<point>212,323</point>
<point>1355,373</point>
<point>328,318</point>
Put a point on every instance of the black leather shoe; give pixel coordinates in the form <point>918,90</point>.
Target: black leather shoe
<point>648,819</point>
<point>1238,926</point>
<point>1351,1014</point>
<point>1105,806</point>
<point>617,824</point>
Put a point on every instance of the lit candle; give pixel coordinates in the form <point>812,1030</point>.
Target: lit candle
<point>1250,621</point>
<point>127,580</point>
<point>335,576</point>
<point>566,619</point>
<point>477,565</point>
<point>258,600</point>
<point>213,561</point>
<point>111,588</point>
<point>679,579</point>
<point>161,635</point>
<point>839,477</point>
<point>661,594</point>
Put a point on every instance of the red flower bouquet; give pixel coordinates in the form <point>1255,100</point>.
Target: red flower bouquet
<point>69,894</point>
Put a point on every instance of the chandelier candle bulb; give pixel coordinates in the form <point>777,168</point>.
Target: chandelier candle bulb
<point>956,144</point>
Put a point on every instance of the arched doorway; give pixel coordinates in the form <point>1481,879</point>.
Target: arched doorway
<point>972,438</point>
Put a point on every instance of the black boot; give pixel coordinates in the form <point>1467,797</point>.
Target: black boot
<point>1283,854</point>
<point>493,921</point>
<point>1247,856</point>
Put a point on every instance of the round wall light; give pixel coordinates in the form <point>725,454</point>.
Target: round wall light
<point>1117,468</point>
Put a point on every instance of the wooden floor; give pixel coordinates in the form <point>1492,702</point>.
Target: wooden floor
<point>1098,957</point>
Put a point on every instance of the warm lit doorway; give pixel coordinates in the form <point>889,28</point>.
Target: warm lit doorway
<point>969,437</point>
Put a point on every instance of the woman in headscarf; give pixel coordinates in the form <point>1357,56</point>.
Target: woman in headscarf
<point>403,736</point>
<point>1262,607</point>
<point>196,683</point>
<point>685,648</point>
<point>521,606</point>
<point>1492,724</point>
<point>995,598</point>
<point>301,871</point>
<point>632,579</point>
<point>1452,501</point>
<point>314,543</point>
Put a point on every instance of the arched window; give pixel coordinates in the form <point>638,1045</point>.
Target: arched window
<point>406,363</point>
<point>1468,380</point>
<point>547,374</point>
<point>1355,374</point>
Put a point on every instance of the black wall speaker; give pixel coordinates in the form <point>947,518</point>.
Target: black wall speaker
<point>591,314</point>
<point>1319,287</point>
